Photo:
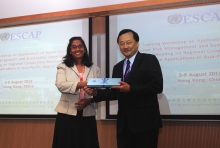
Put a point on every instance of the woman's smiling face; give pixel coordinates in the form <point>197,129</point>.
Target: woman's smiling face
<point>77,50</point>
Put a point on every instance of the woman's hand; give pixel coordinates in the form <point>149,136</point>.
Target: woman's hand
<point>81,84</point>
<point>82,103</point>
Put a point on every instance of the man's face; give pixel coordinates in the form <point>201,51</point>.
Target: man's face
<point>128,46</point>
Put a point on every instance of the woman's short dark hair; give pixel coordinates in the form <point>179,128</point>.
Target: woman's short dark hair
<point>68,58</point>
<point>135,35</point>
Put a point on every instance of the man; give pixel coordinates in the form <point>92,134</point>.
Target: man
<point>138,118</point>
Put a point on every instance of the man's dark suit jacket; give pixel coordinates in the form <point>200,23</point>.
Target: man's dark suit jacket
<point>140,106</point>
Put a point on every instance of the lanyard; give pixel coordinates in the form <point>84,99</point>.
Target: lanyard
<point>82,92</point>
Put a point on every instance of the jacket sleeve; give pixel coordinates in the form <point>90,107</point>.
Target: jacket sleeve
<point>150,78</point>
<point>64,84</point>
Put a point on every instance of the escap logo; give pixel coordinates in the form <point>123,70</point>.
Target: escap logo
<point>20,35</point>
<point>202,18</point>
<point>206,17</point>
<point>4,36</point>
<point>174,19</point>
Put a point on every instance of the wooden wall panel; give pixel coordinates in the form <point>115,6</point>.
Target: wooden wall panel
<point>190,134</point>
<point>98,25</point>
<point>107,133</point>
<point>38,133</point>
<point>26,133</point>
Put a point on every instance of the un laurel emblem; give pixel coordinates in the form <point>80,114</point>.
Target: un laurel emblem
<point>4,36</point>
<point>175,19</point>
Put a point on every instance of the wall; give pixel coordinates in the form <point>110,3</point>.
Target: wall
<point>36,133</point>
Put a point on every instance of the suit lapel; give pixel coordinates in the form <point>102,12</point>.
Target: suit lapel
<point>86,72</point>
<point>74,68</point>
<point>121,64</point>
<point>134,67</point>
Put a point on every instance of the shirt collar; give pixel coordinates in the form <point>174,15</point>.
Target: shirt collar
<point>131,59</point>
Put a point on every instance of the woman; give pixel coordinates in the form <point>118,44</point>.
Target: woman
<point>75,125</point>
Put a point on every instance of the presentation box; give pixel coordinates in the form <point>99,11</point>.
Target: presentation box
<point>103,82</point>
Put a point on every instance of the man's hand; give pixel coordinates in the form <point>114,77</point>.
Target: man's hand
<point>82,103</point>
<point>124,87</point>
<point>90,91</point>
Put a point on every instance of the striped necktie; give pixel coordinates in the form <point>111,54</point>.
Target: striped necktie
<point>127,71</point>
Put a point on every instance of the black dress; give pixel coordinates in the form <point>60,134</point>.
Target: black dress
<point>75,131</point>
